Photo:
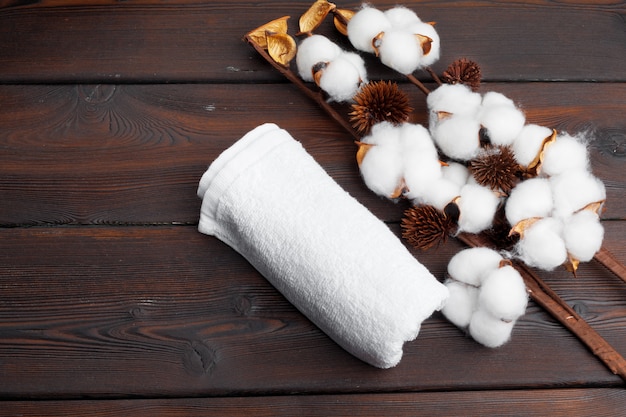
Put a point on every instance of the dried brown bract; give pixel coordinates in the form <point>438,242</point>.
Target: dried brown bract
<point>379,101</point>
<point>463,71</point>
<point>425,226</point>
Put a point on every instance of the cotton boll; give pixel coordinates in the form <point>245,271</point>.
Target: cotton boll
<point>381,169</point>
<point>457,99</point>
<point>493,98</point>
<point>419,173</point>
<point>415,139</point>
<point>472,265</point>
<point>503,123</point>
<point>438,193</point>
<point>573,190</point>
<point>488,330</point>
<point>364,26</point>
<point>400,17</point>
<point>528,143</point>
<point>503,294</point>
<point>313,50</point>
<point>583,234</point>
<point>461,303</point>
<point>341,79</point>
<point>529,198</point>
<point>455,172</point>
<point>457,137</point>
<point>384,133</point>
<point>542,245</point>
<point>432,55</point>
<point>399,50</point>
<point>566,153</point>
<point>477,205</point>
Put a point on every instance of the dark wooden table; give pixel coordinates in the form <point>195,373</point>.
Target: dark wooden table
<point>112,303</point>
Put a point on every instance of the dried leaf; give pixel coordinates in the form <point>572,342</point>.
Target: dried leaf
<point>595,207</point>
<point>400,190</point>
<point>360,153</point>
<point>522,225</point>
<point>571,265</point>
<point>259,35</point>
<point>341,19</point>
<point>314,17</point>
<point>535,165</point>
<point>425,42</point>
<point>281,47</point>
<point>377,41</point>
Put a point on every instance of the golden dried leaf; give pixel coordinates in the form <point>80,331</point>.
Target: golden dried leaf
<point>259,35</point>
<point>596,207</point>
<point>443,115</point>
<point>314,17</point>
<point>426,43</point>
<point>341,19</point>
<point>360,153</point>
<point>535,165</point>
<point>571,265</point>
<point>376,41</point>
<point>522,225</point>
<point>281,47</point>
<point>401,189</point>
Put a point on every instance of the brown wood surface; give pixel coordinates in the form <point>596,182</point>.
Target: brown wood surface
<point>111,302</point>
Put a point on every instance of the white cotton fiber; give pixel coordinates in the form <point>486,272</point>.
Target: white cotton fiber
<point>456,99</point>
<point>401,17</point>
<point>419,174</point>
<point>472,265</point>
<point>341,78</point>
<point>461,303</point>
<point>415,138</point>
<point>542,245</point>
<point>313,50</point>
<point>573,190</point>
<point>384,133</point>
<point>426,29</point>
<point>438,193</point>
<point>583,234</point>
<point>457,136</point>
<point>477,205</point>
<point>488,330</point>
<point>503,123</point>
<point>529,198</point>
<point>364,26</point>
<point>381,169</point>
<point>527,144</point>
<point>566,153</point>
<point>400,50</point>
<point>455,172</point>
<point>503,294</point>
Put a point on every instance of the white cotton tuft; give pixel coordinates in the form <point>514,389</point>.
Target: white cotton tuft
<point>457,137</point>
<point>313,50</point>
<point>566,153</point>
<point>364,26</point>
<point>381,169</point>
<point>415,139</point>
<point>384,133</point>
<point>528,143</point>
<point>455,172</point>
<point>461,303</point>
<point>438,193</point>
<point>472,265</point>
<point>400,50</point>
<point>456,99</point>
<point>477,206</point>
<point>488,330</point>
<point>573,190</point>
<point>529,198</point>
<point>542,245</point>
<point>341,78</point>
<point>583,234</point>
<point>401,17</point>
<point>426,29</point>
<point>503,294</point>
<point>419,174</point>
<point>503,123</point>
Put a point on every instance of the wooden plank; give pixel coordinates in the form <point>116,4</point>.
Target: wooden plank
<point>556,402</point>
<point>166,311</point>
<point>120,154</point>
<point>189,41</point>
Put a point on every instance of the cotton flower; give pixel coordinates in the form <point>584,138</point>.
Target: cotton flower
<point>430,54</point>
<point>382,165</point>
<point>461,304</point>
<point>566,153</point>
<point>399,50</point>
<point>583,234</point>
<point>573,190</point>
<point>503,294</point>
<point>472,265</point>
<point>312,51</point>
<point>477,205</point>
<point>455,172</point>
<point>453,99</point>
<point>489,330</point>
<point>530,198</point>
<point>342,77</point>
<point>457,136</point>
<point>528,143</point>
<point>401,17</point>
<point>364,26</point>
<point>502,120</point>
<point>542,245</point>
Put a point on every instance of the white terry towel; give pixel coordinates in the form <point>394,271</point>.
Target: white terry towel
<point>342,267</point>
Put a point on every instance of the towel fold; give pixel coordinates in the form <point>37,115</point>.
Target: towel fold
<point>342,267</point>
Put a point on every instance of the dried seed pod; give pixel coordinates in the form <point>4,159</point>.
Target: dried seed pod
<point>341,18</point>
<point>315,15</point>
<point>281,47</point>
<point>463,71</point>
<point>425,226</point>
<point>379,101</point>
<point>534,168</point>
<point>259,35</point>
<point>496,168</point>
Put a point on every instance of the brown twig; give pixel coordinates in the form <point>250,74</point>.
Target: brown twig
<point>434,75</point>
<point>418,83</point>
<point>543,295</point>
<point>316,96</point>
<point>606,258</point>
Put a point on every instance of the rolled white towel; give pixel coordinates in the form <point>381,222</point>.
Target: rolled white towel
<point>342,267</point>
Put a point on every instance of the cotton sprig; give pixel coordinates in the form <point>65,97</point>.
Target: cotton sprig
<point>487,295</point>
